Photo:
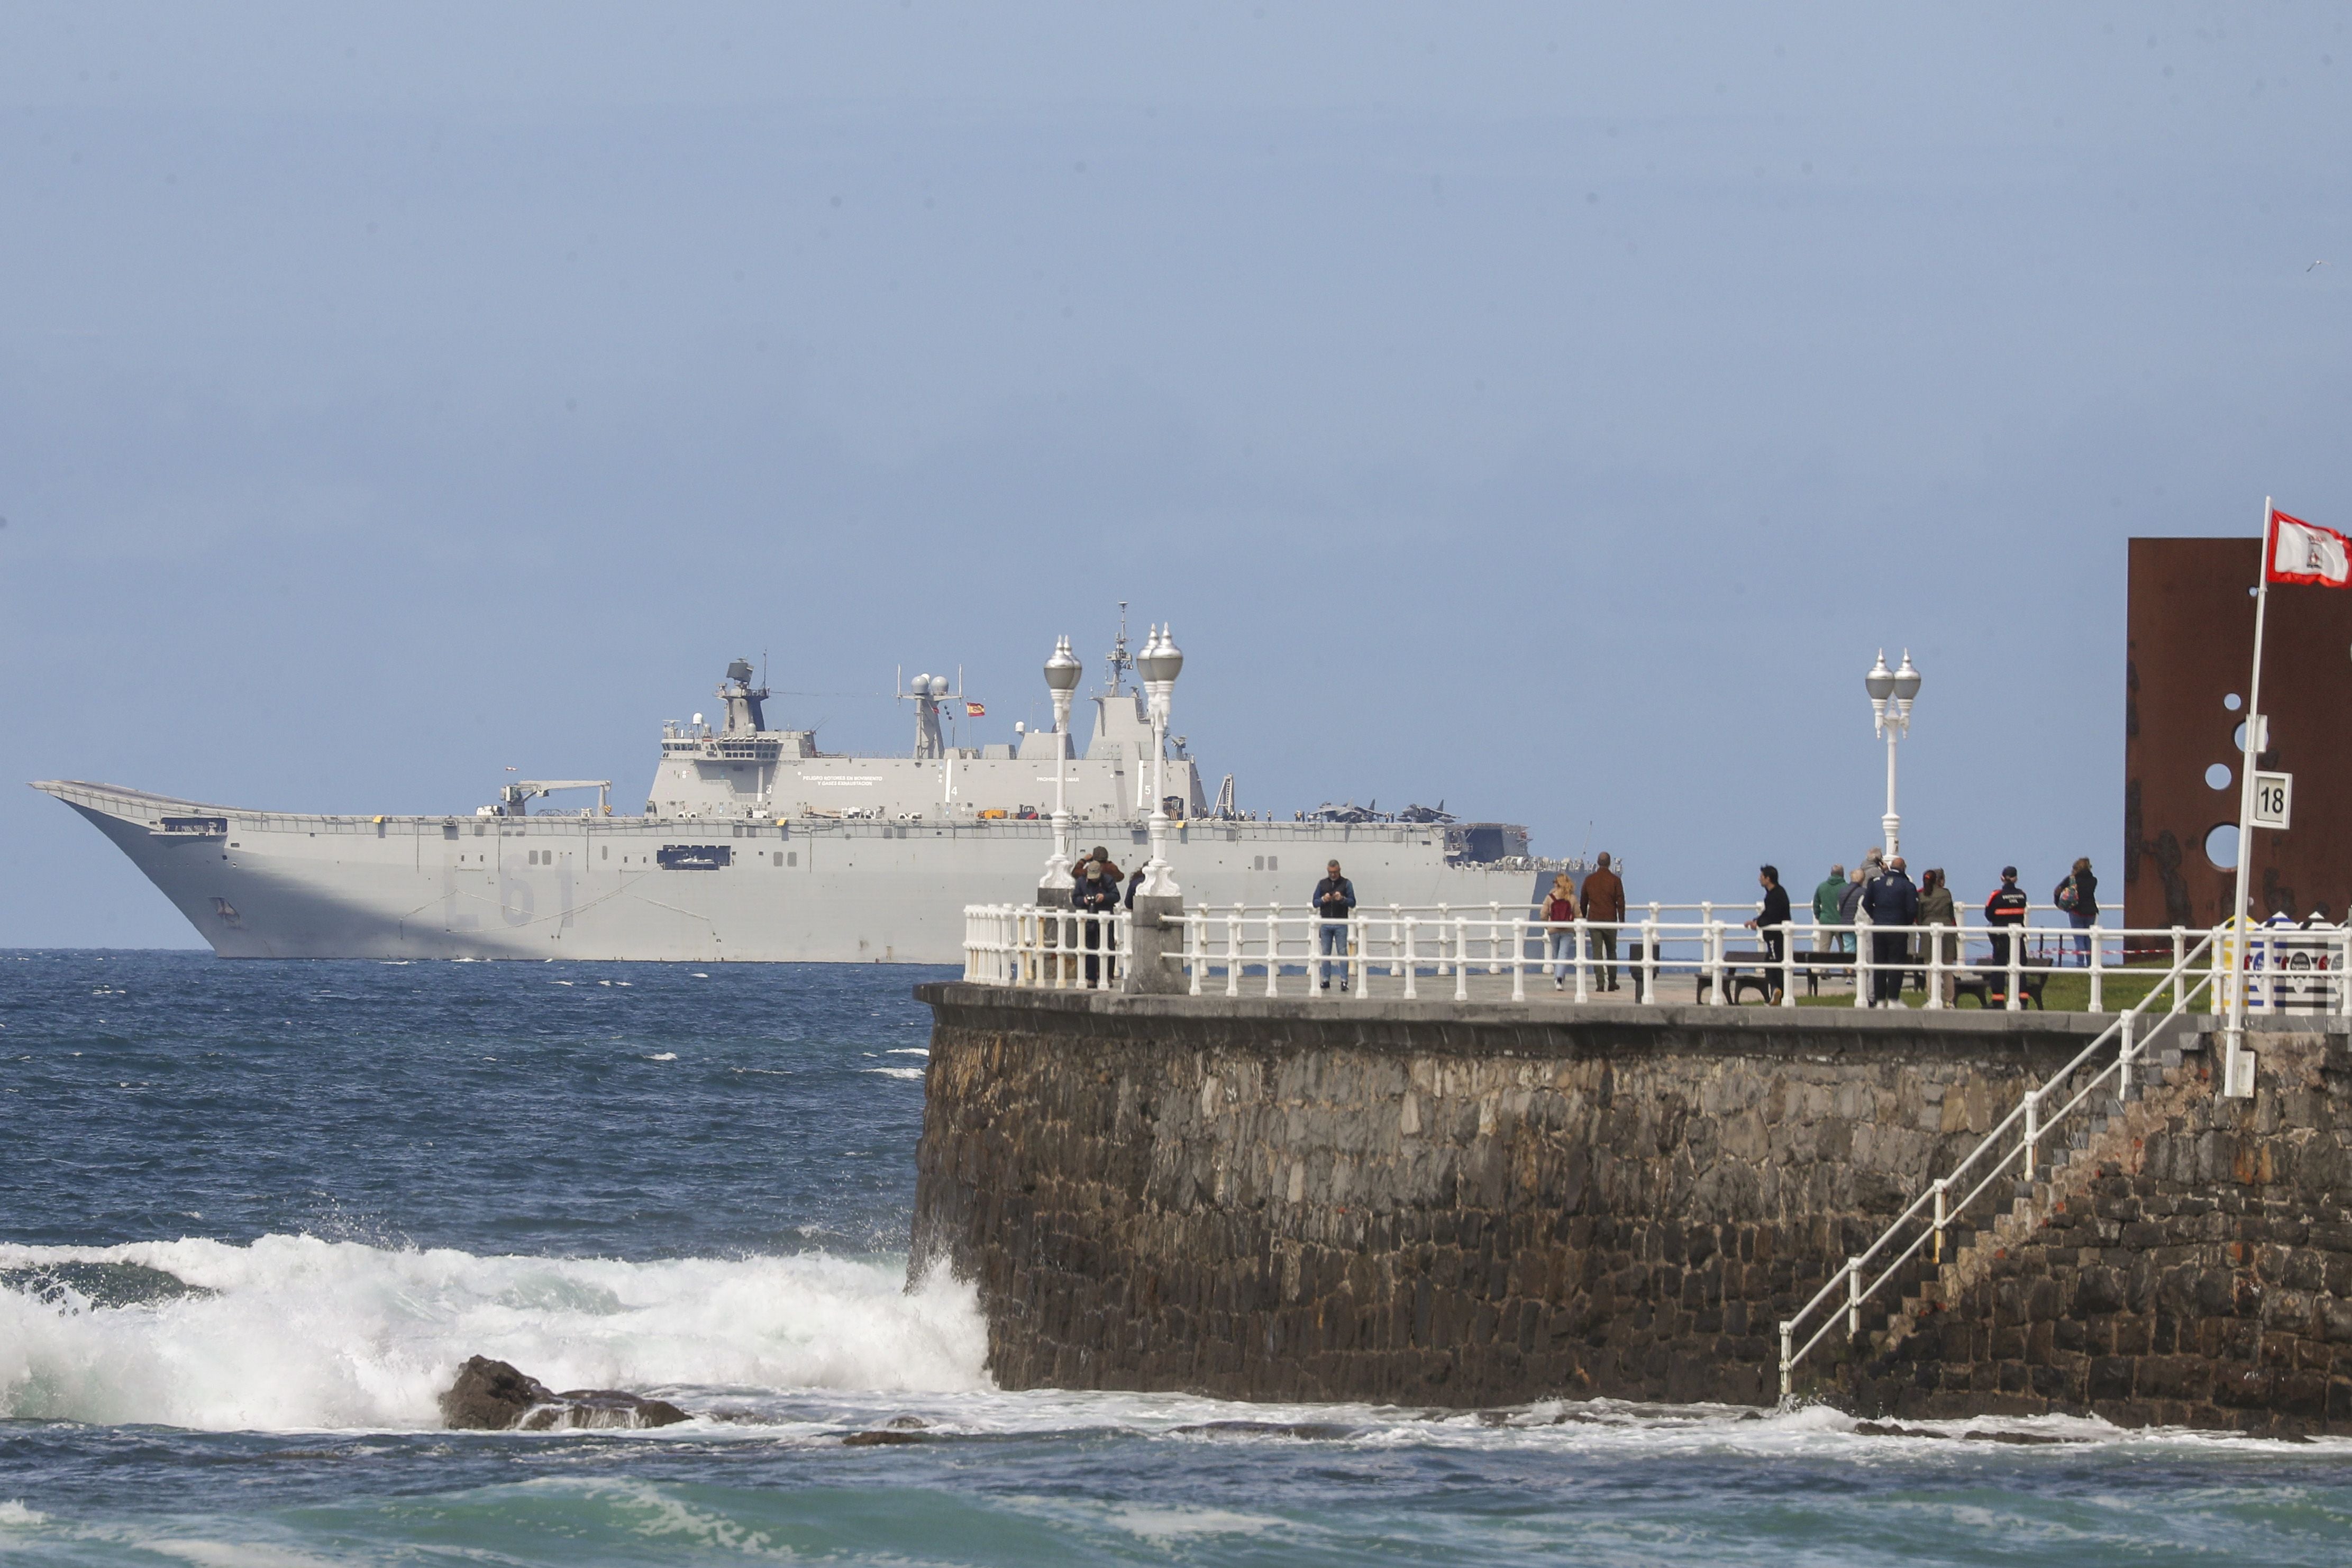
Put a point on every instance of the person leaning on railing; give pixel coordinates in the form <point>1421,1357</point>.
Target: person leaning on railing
<point>1604,901</point>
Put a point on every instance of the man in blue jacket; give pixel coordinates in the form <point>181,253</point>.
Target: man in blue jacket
<point>1335,900</point>
<point>1890,899</point>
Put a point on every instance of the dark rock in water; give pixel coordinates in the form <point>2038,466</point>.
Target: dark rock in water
<point>492,1396</point>
<point>98,1284</point>
<point>881,1440</point>
<point>1309,1431</point>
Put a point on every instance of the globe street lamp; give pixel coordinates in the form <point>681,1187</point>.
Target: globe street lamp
<point>1159,664</point>
<point>1062,672</point>
<point>1891,694</point>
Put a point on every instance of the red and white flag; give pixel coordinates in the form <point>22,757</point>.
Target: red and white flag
<point>2305,552</point>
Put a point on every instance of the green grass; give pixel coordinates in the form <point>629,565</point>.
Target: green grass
<point>2068,991</point>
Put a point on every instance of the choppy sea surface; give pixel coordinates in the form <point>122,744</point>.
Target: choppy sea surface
<point>252,1217</point>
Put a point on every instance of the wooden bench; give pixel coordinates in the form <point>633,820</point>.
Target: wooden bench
<point>1745,968</point>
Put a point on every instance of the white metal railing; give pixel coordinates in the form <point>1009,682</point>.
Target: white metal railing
<point>1275,950</point>
<point>1039,948</point>
<point>2016,1140</point>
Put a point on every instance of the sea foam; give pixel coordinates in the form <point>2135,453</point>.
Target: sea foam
<point>294,1332</point>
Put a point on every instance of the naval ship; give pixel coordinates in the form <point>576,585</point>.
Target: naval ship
<point>758,845</point>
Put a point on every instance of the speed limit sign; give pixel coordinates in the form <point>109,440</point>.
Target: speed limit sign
<point>2273,795</point>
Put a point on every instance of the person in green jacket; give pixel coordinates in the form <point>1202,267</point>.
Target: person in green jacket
<point>1825,914</point>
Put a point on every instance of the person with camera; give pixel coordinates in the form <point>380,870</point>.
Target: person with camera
<point>1096,891</point>
<point>1335,900</point>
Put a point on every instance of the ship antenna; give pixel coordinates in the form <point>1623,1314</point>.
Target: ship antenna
<point>1118,657</point>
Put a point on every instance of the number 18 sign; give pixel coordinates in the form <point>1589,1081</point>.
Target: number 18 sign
<point>2273,795</point>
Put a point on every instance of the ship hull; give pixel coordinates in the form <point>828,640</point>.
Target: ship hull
<point>273,885</point>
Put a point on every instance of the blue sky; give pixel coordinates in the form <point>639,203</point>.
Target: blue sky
<point>1549,410</point>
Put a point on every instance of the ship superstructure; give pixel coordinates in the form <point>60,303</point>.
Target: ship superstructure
<point>756,844</point>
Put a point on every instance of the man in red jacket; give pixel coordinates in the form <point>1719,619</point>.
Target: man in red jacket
<point>1604,899</point>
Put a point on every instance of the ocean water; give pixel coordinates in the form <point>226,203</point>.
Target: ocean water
<point>252,1217</point>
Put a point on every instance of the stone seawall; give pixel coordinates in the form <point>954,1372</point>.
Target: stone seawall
<point>1470,1205</point>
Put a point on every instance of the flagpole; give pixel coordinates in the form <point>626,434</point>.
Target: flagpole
<point>2241,943</point>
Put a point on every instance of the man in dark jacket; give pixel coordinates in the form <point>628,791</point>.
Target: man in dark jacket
<point>2004,910</point>
<point>1335,900</point>
<point>1771,921</point>
<point>1095,889</point>
<point>1604,899</point>
<point>1890,899</point>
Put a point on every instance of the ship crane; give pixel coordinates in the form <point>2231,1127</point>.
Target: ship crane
<point>512,798</point>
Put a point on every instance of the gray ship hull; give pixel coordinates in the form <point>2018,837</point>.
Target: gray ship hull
<point>270,885</point>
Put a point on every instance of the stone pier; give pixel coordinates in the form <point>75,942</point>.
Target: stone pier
<point>1488,1204</point>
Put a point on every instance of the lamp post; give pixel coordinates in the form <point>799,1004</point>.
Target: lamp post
<point>1062,672</point>
<point>1891,694</point>
<point>1159,664</point>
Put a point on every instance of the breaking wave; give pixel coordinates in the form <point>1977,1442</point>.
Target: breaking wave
<point>297,1333</point>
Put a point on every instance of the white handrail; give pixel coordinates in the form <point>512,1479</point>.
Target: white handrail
<point>2033,1125</point>
<point>1039,947</point>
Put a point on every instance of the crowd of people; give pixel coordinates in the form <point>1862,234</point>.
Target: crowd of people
<point>1846,905</point>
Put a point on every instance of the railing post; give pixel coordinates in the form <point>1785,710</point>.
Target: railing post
<point>1853,1297</point>
<point>1519,959</point>
<point>2032,1129</point>
<point>2180,966</point>
<point>2098,969</point>
<point>1233,953</point>
<point>1714,956</point>
<point>2343,956</point>
<point>1495,937</point>
<point>1462,958</point>
<point>2016,967</point>
<point>1396,928</point>
<point>1787,1365</point>
<point>1943,1217</point>
<point>2270,970</point>
<point>1356,930</point>
<point>1789,963</point>
<point>1412,959</point>
<point>1196,931</point>
<point>1581,994</point>
<point>1863,954</point>
<point>1273,947</point>
<point>1706,964</point>
<point>1650,957</point>
<point>1936,967</point>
